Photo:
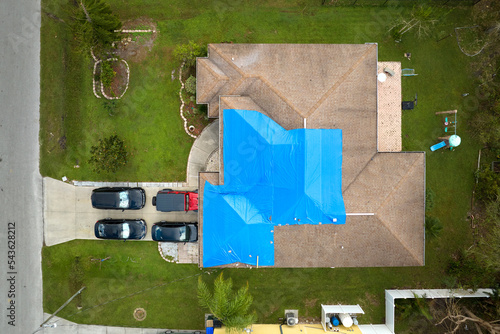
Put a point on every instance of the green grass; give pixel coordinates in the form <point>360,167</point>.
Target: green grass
<point>117,288</point>
<point>133,267</point>
<point>147,117</point>
<point>149,122</point>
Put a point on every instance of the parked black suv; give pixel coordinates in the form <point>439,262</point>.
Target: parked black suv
<point>121,229</point>
<point>174,232</point>
<point>118,198</point>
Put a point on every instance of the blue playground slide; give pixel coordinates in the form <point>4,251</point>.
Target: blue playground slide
<point>438,146</point>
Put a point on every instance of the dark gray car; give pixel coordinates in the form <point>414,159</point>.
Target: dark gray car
<point>174,232</point>
<point>121,229</point>
<point>118,198</point>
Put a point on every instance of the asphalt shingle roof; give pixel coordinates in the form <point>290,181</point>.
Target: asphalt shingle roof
<point>329,86</point>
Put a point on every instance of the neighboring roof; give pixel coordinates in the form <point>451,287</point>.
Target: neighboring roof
<point>333,87</point>
<point>301,328</point>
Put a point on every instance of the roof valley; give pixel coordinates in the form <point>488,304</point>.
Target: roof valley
<point>360,173</point>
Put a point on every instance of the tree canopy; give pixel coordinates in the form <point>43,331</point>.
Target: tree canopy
<point>188,52</point>
<point>488,251</point>
<point>94,25</point>
<point>109,155</point>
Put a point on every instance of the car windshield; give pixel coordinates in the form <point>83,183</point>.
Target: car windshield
<point>183,233</point>
<point>125,231</point>
<point>101,230</point>
<point>124,200</point>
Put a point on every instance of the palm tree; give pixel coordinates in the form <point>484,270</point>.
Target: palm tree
<point>433,227</point>
<point>229,307</point>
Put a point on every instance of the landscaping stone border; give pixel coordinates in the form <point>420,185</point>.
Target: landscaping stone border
<point>94,83</point>
<point>186,127</point>
<point>130,184</point>
<point>168,252</point>
<point>126,87</point>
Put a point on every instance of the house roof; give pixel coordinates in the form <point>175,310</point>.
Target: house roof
<point>327,86</point>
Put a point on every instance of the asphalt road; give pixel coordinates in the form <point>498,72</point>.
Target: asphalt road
<point>21,222</point>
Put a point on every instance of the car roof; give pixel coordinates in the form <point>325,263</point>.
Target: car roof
<point>170,201</point>
<point>172,231</point>
<point>114,228</point>
<point>105,198</point>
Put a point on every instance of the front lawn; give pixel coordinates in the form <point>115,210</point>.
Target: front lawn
<point>73,119</point>
<point>149,121</point>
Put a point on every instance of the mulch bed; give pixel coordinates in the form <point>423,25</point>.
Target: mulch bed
<point>119,83</point>
<point>195,118</point>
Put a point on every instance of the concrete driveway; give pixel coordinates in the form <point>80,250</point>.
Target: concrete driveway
<point>68,212</point>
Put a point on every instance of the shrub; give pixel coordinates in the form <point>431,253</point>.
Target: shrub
<point>188,52</point>
<point>110,106</point>
<point>108,155</point>
<point>466,271</point>
<point>433,227</point>
<point>190,85</point>
<point>488,185</point>
<point>486,126</point>
<point>107,73</point>
<point>430,196</point>
<point>488,250</point>
<point>411,308</point>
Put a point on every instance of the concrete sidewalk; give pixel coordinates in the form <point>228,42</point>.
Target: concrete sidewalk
<point>64,326</point>
<point>68,212</point>
<point>203,148</point>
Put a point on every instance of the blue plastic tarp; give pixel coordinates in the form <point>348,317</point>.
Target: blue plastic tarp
<point>271,177</point>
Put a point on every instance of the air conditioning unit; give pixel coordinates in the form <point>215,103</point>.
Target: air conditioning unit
<point>292,317</point>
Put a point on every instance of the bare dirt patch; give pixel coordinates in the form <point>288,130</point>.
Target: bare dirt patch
<point>135,47</point>
<point>310,303</point>
<point>372,299</point>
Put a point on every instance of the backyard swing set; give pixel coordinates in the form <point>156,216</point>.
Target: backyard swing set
<point>449,125</point>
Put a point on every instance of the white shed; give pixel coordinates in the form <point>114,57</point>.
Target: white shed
<point>329,310</point>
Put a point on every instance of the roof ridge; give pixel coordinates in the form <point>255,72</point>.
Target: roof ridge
<point>236,85</point>
<point>339,82</point>
<point>205,61</point>
<point>390,196</point>
<point>398,239</point>
<point>226,59</point>
<point>280,95</point>
<point>246,76</point>
<point>219,79</point>
<point>399,183</point>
